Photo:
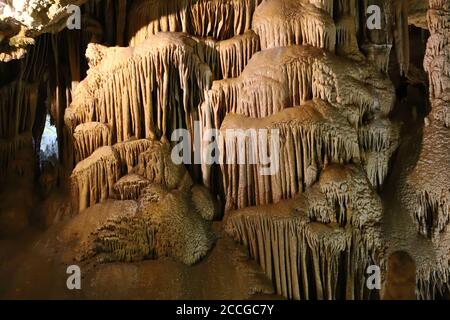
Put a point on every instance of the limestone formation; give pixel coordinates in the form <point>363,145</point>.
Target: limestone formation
<point>310,142</point>
<point>162,64</point>
<point>311,135</point>
<point>130,187</point>
<point>282,23</point>
<point>88,137</point>
<point>281,78</point>
<point>165,224</point>
<point>21,21</point>
<point>93,178</point>
<point>172,214</point>
<point>219,19</point>
<point>316,245</point>
<point>430,179</point>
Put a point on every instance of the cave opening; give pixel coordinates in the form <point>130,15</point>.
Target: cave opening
<point>48,149</point>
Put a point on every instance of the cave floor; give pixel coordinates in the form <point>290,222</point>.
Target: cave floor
<point>30,269</point>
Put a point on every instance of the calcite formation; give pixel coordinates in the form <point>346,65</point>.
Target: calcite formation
<point>219,19</point>
<point>311,135</point>
<point>88,137</point>
<point>172,214</point>
<point>19,103</point>
<point>162,64</point>
<point>93,178</point>
<point>302,87</point>
<point>317,245</point>
<point>27,19</point>
<point>281,23</point>
<point>430,178</point>
<point>130,187</point>
<point>280,78</point>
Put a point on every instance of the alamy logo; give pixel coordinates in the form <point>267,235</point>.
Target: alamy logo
<point>74,280</point>
<point>374,279</point>
<point>74,20</point>
<point>254,147</point>
<point>374,17</point>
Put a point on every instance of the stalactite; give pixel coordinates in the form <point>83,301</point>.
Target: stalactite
<point>346,37</point>
<point>326,5</point>
<point>150,17</point>
<point>401,34</point>
<point>145,75</point>
<point>93,178</point>
<point>88,137</point>
<point>130,187</point>
<point>316,225</point>
<point>378,140</point>
<point>282,23</point>
<point>236,52</point>
<point>20,86</point>
<point>22,21</point>
<point>430,178</point>
<point>129,152</point>
<point>9,148</point>
<point>219,19</point>
<point>433,281</point>
<point>17,107</point>
<point>228,58</point>
<point>279,78</point>
<point>310,135</point>
<point>393,34</point>
<point>311,259</point>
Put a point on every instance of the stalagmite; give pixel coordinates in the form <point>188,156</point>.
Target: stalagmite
<point>165,224</point>
<point>311,256</point>
<point>310,135</point>
<point>93,178</point>
<point>282,23</point>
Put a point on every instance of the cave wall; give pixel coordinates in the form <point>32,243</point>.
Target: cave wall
<point>311,70</point>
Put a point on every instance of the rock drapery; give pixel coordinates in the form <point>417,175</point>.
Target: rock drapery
<point>318,244</point>
<point>172,214</point>
<point>160,65</point>
<point>310,69</point>
<point>431,179</point>
<point>310,135</point>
